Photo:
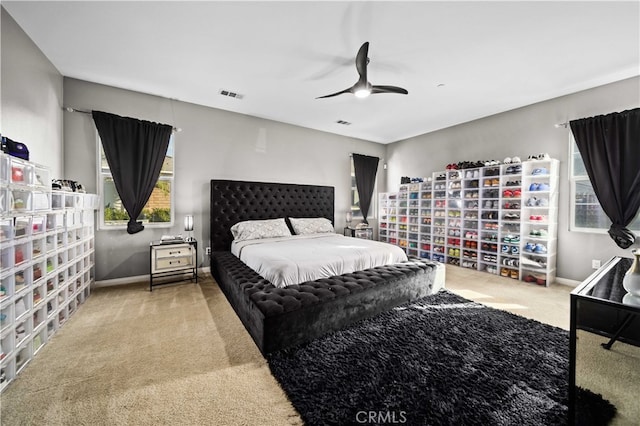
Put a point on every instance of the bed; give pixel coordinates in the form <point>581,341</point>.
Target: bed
<point>280,316</point>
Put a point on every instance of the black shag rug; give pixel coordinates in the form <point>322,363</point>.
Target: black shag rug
<point>442,360</point>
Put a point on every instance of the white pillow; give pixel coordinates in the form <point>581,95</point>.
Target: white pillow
<point>256,229</point>
<point>318,225</point>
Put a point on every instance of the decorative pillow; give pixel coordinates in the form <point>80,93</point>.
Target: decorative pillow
<point>256,229</point>
<point>318,225</point>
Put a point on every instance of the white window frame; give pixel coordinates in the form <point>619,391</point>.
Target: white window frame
<point>582,179</point>
<point>102,175</point>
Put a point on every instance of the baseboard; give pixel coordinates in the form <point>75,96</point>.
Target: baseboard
<point>568,282</point>
<point>135,279</point>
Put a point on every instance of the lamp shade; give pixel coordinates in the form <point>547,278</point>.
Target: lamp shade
<point>188,222</point>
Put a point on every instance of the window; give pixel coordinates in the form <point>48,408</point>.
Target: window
<point>586,213</point>
<point>158,211</point>
<point>355,198</point>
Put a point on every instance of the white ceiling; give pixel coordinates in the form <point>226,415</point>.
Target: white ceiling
<point>489,56</point>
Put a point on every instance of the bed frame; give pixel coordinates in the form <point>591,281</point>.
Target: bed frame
<point>278,318</point>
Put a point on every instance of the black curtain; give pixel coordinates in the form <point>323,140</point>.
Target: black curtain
<point>610,148</point>
<point>365,168</point>
<point>135,151</point>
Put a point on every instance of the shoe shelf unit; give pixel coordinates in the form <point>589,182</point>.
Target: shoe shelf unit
<point>510,219</point>
<point>500,219</point>
<point>470,222</point>
<point>425,219</point>
<point>46,260</point>
<point>438,229</point>
<point>413,219</point>
<point>540,221</point>
<point>403,211</point>
<point>489,219</point>
<point>388,231</point>
<point>454,217</point>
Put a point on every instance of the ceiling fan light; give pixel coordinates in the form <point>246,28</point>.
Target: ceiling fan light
<point>362,93</point>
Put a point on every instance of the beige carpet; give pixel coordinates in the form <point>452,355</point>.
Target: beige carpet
<point>176,356</point>
<point>180,356</point>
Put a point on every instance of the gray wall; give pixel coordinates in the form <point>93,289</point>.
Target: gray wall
<point>522,132</point>
<point>31,106</point>
<point>219,144</point>
<point>213,144</point>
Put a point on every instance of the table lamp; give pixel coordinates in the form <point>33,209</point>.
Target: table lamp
<point>188,226</point>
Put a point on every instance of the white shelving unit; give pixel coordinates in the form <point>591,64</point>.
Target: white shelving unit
<point>470,217</point>
<point>510,220</point>
<point>453,217</point>
<point>388,222</point>
<point>46,260</point>
<point>539,221</point>
<point>438,228</point>
<point>425,218</point>
<point>500,219</point>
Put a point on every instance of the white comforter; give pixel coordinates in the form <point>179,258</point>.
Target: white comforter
<point>299,258</point>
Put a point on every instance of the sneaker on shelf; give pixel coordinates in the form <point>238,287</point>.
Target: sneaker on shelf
<point>532,202</point>
<point>515,160</point>
<point>504,272</point>
<point>534,233</point>
<point>543,202</point>
<point>515,250</point>
<point>534,186</point>
<point>544,187</point>
<point>540,171</point>
<point>515,239</point>
<point>20,332</point>
<point>20,307</point>
<point>514,274</point>
<point>540,249</point>
<point>529,247</point>
<point>543,233</point>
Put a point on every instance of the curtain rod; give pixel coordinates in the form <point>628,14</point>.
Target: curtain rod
<point>81,111</point>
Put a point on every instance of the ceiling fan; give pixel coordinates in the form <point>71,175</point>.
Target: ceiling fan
<point>363,88</point>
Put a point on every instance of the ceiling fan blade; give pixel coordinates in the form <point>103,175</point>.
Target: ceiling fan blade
<point>362,60</point>
<point>389,89</point>
<point>349,90</point>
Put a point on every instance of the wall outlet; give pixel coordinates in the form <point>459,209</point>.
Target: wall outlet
<point>208,251</point>
<point>595,264</point>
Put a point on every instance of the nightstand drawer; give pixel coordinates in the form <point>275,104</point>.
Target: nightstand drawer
<point>173,251</point>
<point>171,263</point>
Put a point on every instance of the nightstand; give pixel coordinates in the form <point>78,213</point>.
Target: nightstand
<point>172,258</point>
<point>365,233</point>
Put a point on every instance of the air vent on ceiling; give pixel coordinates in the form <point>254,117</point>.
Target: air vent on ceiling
<point>230,94</point>
<point>345,123</point>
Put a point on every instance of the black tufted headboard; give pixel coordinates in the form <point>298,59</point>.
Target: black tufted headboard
<point>234,201</point>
